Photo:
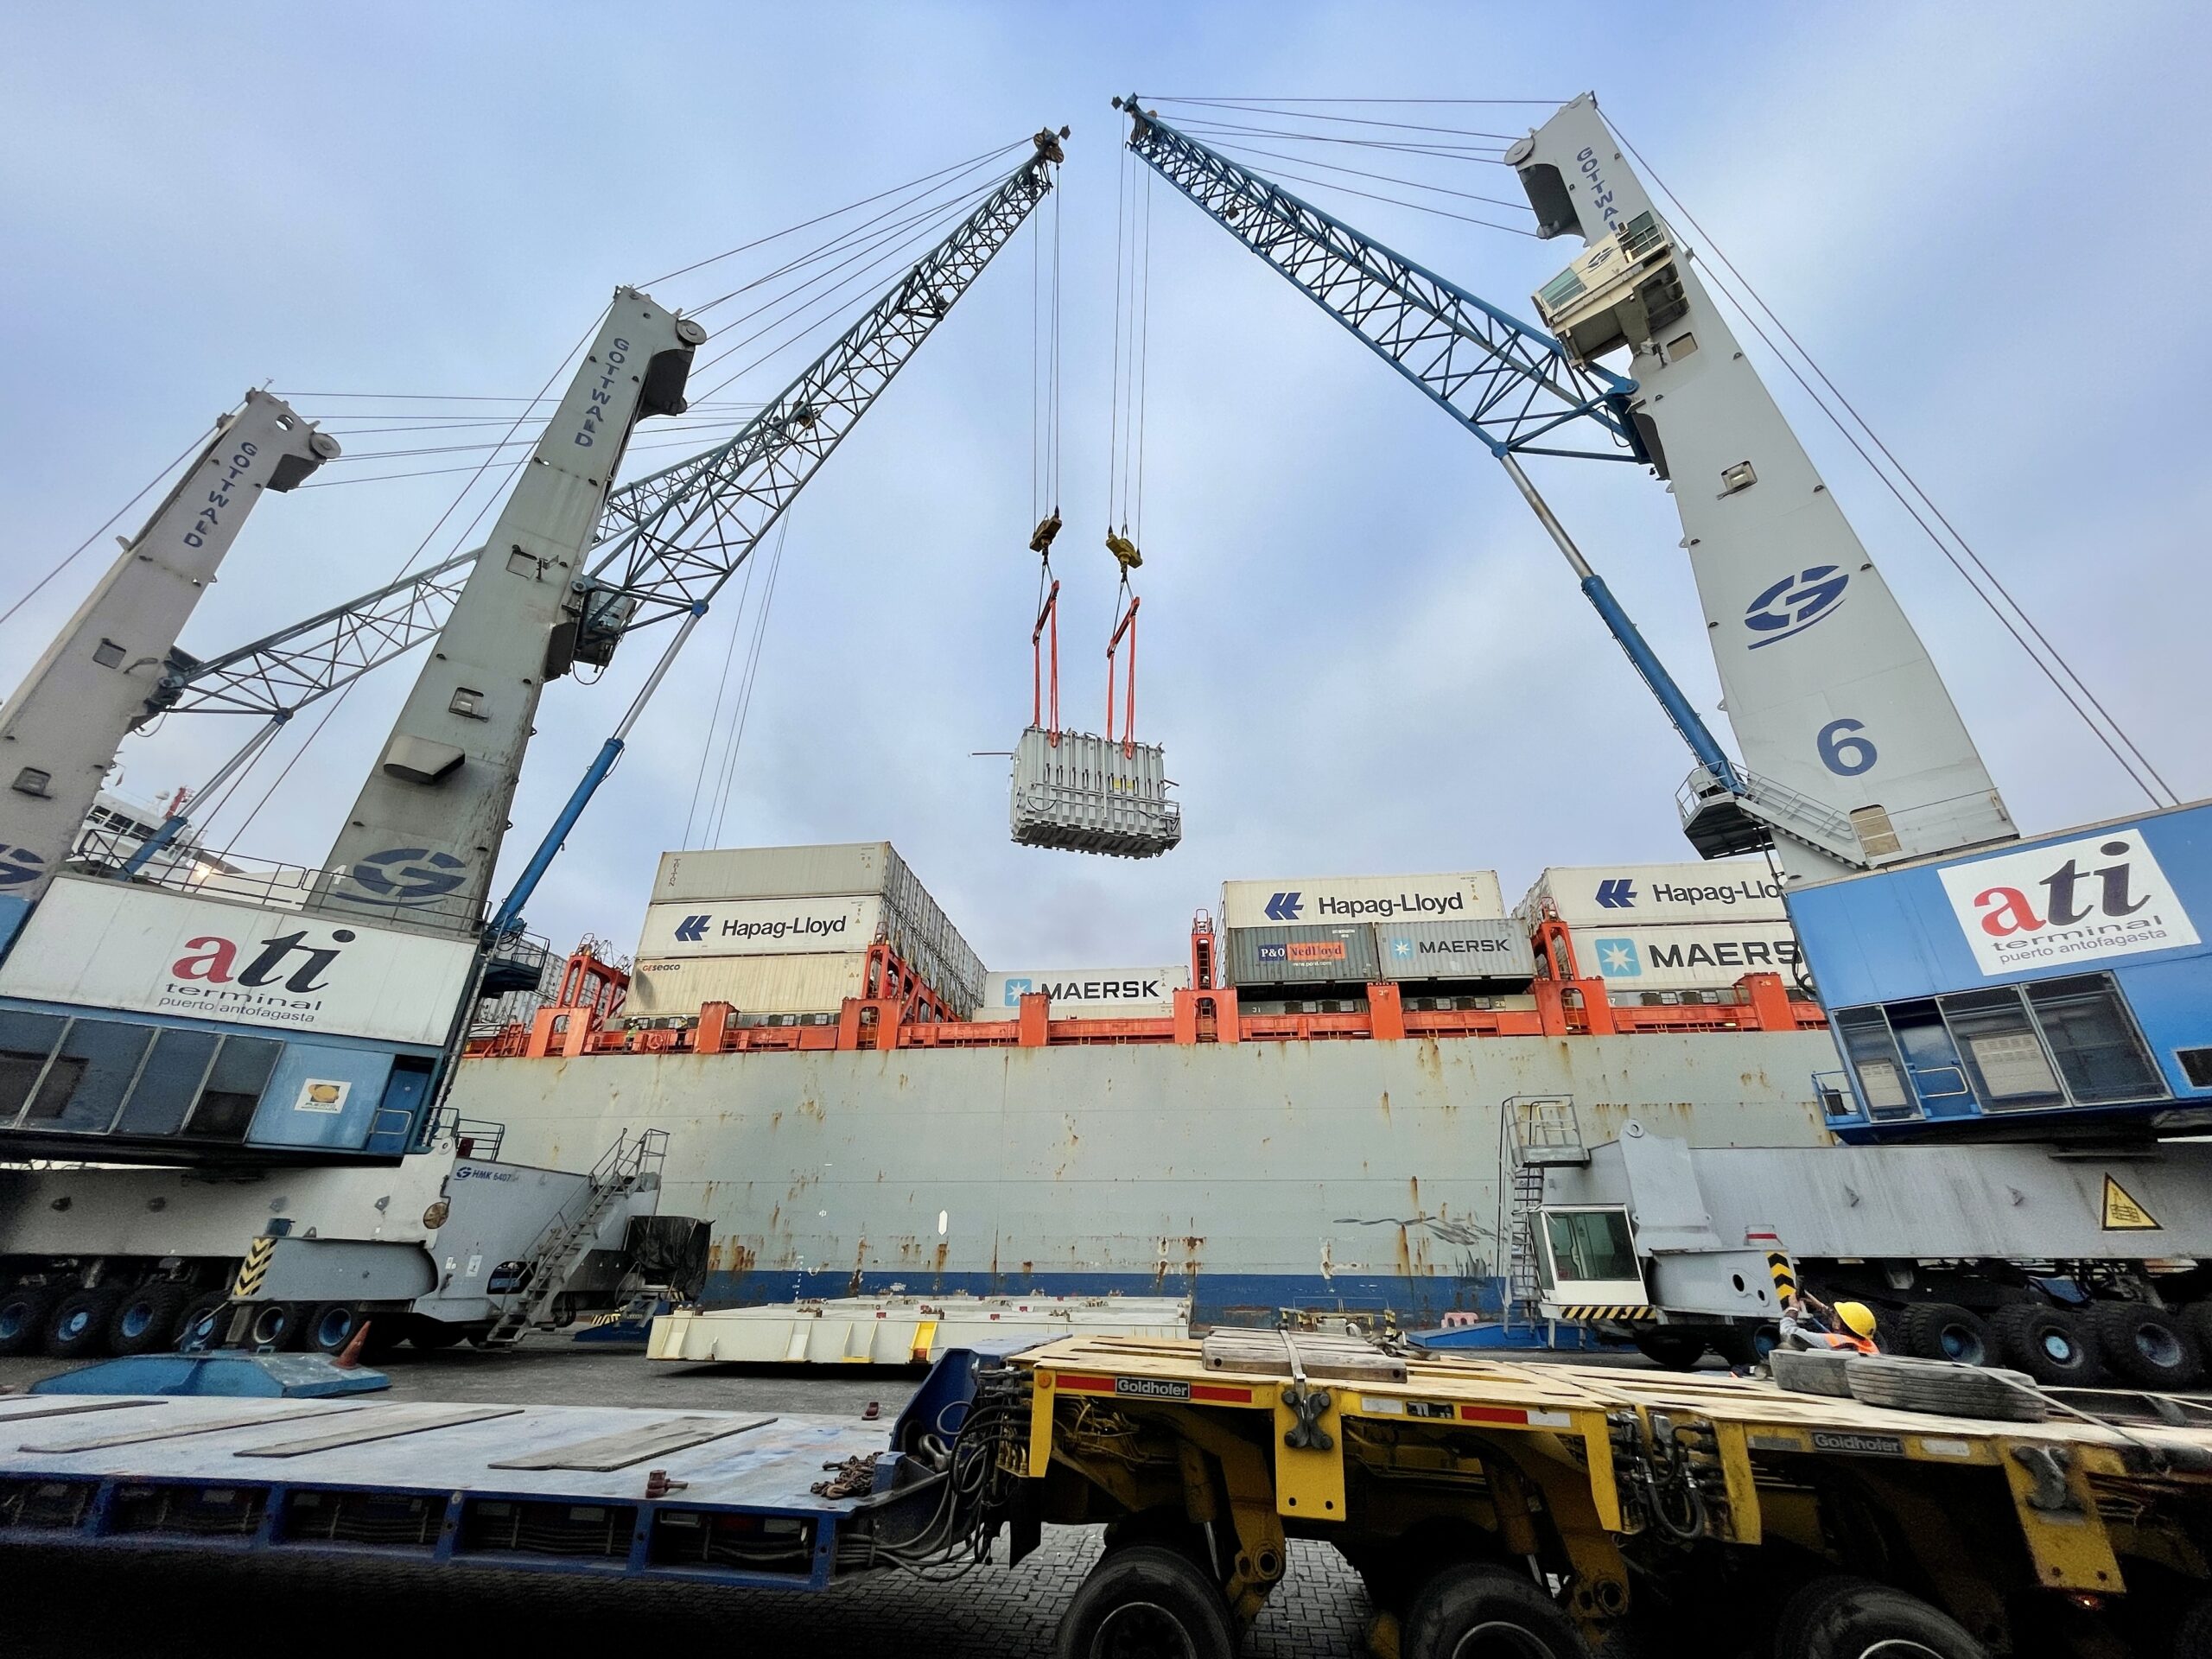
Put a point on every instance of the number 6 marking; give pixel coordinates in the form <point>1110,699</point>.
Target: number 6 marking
<point>1842,753</point>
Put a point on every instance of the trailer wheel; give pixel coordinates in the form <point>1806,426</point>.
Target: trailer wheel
<point>1673,1350</point>
<point>1938,1386</point>
<point>1147,1601</point>
<point>78,1327</point>
<point>2051,1344</point>
<point>2147,1344</point>
<point>1482,1611</point>
<point>1856,1619</point>
<point>1946,1331</point>
<point>145,1319</point>
<point>23,1317</point>
<point>329,1327</point>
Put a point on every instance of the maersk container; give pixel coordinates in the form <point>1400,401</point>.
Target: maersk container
<point>1496,952</point>
<point>1310,901</point>
<point>1684,958</point>
<point>726,883</point>
<point>1075,792</point>
<point>1342,955</point>
<point>1088,992</point>
<point>1606,895</point>
<point>752,985</point>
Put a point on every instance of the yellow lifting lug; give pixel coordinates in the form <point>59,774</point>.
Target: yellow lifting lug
<point>1041,540</point>
<point>1125,549</point>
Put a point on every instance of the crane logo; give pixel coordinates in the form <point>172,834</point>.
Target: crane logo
<point>408,875</point>
<point>1794,603</point>
<point>19,865</point>
<point>2101,896</point>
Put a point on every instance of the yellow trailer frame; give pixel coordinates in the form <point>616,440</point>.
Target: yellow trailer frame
<point>1581,1472</point>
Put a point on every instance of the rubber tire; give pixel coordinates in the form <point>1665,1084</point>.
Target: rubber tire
<point>1812,1370</point>
<point>431,1335</point>
<point>2021,1330</point>
<point>1743,1346</point>
<point>156,1305</point>
<point>287,1335</point>
<point>1671,1350</point>
<point>1462,1600</point>
<point>197,1309</point>
<point>387,1330</point>
<point>1946,1331</point>
<point>2192,1637</point>
<point>1843,1617</point>
<point>2117,1325</point>
<point>1947,1389</point>
<point>2196,1319</point>
<point>77,1329</point>
<point>311,1328</point>
<point>23,1311</point>
<point>1153,1576</point>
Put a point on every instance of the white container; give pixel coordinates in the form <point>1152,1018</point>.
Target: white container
<point>1088,992</point>
<point>752,985</point>
<point>1645,895</point>
<point>689,883</point>
<point>1684,958</point>
<point>1321,902</point>
<point>762,927</point>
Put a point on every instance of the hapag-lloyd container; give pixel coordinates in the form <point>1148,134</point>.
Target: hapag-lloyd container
<point>692,883</point>
<point>1684,958</point>
<point>752,985</point>
<point>1311,901</point>
<point>1343,955</point>
<point>1088,992</point>
<point>1494,951</point>
<point>833,924</point>
<point>1604,895</point>
<point>1084,794</point>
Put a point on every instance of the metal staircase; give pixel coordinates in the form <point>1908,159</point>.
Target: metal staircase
<point>1722,822</point>
<point>1537,1133</point>
<point>625,1167</point>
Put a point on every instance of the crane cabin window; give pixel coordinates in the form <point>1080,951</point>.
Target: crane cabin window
<point>1589,1255</point>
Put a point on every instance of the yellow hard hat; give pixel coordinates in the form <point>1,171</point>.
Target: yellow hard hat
<point>1857,1317</point>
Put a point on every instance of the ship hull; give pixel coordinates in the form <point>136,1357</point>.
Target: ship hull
<point>1248,1177</point>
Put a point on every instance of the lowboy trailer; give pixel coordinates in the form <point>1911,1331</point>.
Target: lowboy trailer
<point>1490,1506</point>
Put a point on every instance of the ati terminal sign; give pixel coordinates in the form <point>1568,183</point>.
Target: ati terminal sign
<point>2084,900</point>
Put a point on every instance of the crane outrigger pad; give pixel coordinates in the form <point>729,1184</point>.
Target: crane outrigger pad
<point>1078,793</point>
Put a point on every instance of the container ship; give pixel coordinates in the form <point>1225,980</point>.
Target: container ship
<point>1307,1112</point>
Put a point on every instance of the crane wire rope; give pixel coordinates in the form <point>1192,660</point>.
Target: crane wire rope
<point>1980,579</point>
<point>721,687</point>
<point>743,713</point>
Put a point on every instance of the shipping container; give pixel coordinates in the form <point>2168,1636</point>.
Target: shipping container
<point>762,927</point>
<point>1079,793</point>
<point>1088,992</point>
<point>719,882</point>
<point>1606,895</point>
<point>1474,949</point>
<point>1311,901</point>
<point>752,985</point>
<point>1343,955</point>
<point>1683,959</point>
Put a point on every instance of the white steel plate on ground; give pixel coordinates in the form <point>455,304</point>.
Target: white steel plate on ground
<point>901,1330</point>
<point>1605,895</point>
<point>1315,900</point>
<point>109,945</point>
<point>763,1466</point>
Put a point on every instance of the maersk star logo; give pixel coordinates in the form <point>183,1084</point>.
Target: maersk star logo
<point>1616,959</point>
<point>1401,948</point>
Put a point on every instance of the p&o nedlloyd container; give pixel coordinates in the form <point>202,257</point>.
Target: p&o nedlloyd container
<point>1343,955</point>
<point>1088,992</point>
<point>826,900</point>
<point>1644,895</point>
<point>1312,901</point>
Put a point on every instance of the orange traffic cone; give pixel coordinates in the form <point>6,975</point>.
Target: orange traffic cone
<point>351,1356</point>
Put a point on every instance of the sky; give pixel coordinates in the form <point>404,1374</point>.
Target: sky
<point>1359,649</point>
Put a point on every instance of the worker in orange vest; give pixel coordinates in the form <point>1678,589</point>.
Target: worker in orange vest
<point>1809,1322</point>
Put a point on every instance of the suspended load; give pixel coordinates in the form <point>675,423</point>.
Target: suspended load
<point>1077,793</point>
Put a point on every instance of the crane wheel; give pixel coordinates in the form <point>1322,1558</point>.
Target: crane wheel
<point>1483,1608</point>
<point>78,1327</point>
<point>1843,1617</point>
<point>1144,1599</point>
<point>22,1319</point>
<point>2052,1345</point>
<point>277,1325</point>
<point>2147,1345</point>
<point>1946,1331</point>
<point>329,1327</point>
<point>145,1319</point>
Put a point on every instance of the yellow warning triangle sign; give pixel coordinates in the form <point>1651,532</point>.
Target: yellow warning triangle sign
<point>2123,1214</point>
